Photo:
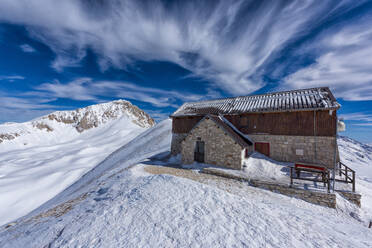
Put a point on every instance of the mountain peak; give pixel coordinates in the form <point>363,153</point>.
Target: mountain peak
<point>93,116</point>
<point>80,119</point>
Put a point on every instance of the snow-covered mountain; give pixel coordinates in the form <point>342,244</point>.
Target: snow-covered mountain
<point>40,158</point>
<point>65,125</point>
<point>119,204</point>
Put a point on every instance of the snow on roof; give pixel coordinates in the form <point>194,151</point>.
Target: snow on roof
<point>244,136</point>
<point>294,100</point>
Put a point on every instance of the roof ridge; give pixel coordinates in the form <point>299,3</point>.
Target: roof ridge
<point>319,98</point>
<point>255,95</point>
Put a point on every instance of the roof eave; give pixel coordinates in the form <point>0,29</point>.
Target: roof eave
<point>264,111</point>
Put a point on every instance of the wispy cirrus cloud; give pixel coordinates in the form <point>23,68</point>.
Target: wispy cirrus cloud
<point>226,42</point>
<point>358,118</point>
<point>27,48</point>
<point>11,78</point>
<point>363,124</point>
<point>87,89</point>
<point>344,62</point>
<point>17,107</point>
<point>157,115</point>
<point>21,106</point>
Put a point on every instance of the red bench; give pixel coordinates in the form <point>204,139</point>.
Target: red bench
<point>312,169</point>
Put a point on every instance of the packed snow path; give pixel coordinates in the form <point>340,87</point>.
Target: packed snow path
<point>119,206</point>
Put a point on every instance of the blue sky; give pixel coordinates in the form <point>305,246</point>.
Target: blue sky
<point>58,55</point>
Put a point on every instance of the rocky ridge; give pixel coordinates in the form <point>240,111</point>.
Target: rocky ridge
<point>81,119</point>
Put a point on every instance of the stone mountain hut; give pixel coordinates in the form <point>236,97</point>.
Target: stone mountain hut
<point>288,126</point>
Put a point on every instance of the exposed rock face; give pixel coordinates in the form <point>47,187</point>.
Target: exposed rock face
<point>42,126</point>
<point>93,116</point>
<point>8,136</point>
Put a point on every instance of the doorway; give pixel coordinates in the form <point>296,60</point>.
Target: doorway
<point>199,151</point>
<point>263,148</point>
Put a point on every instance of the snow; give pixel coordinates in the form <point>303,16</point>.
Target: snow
<point>234,128</point>
<point>135,209</point>
<point>358,157</point>
<point>257,166</point>
<point>51,161</point>
<point>118,204</point>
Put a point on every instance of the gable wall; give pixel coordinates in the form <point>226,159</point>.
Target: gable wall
<point>220,148</point>
<point>184,124</point>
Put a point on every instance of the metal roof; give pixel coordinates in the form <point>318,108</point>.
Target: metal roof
<point>294,100</point>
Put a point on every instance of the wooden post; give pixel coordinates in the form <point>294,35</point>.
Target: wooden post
<point>370,224</point>
<point>339,167</point>
<point>353,172</point>
<point>291,176</point>
<point>329,183</point>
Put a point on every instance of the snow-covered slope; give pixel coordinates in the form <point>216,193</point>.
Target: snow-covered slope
<point>120,205</point>
<point>358,156</point>
<point>49,153</point>
<point>63,126</point>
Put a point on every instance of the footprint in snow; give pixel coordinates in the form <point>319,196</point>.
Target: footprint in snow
<point>102,191</point>
<point>101,199</point>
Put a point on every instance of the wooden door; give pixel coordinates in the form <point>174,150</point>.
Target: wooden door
<point>263,148</point>
<point>199,151</point>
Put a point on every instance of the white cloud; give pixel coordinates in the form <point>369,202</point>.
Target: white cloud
<point>363,124</point>
<point>16,107</point>
<point>359,116</point>
<point>226,42</point>
<point>85,89</point>
<point>22,106</point>
<point>157,115</point>
<point>12,78</point>
<point>27,48</point>
<point>37,102</point>
<point>344,62</point>
<point>23,103</point>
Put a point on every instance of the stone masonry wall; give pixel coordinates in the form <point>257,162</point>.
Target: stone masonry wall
<point>307,149</point>
<point>351,197</point>
<point>220,148</point>
<point>176,142</point>
<point>320,198</point>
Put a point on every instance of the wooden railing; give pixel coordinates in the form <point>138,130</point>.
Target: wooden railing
<point>346,171</point>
